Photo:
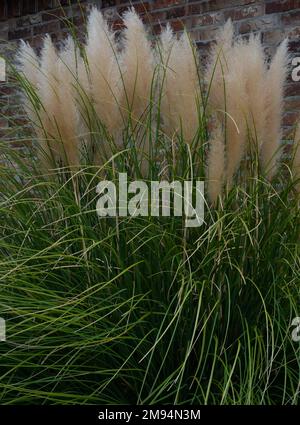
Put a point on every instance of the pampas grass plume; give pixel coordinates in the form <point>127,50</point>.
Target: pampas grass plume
<point>276,76</point>
<point>180,86</point>
<point>137,67</point>
<point>103,82</point>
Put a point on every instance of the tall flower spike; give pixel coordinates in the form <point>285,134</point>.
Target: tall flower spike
<point>104,75</point>
<point>255,75</point>
<point>138,73</point>
<point>217,65</point>
<point>181,91</point>
<point>48,92</point>
<point>69,119</point>
<point>29,66</point>
<point>29,63</point>
<point>276,76</point>
<point>137,66</point>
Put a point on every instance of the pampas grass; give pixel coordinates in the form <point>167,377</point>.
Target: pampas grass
<point>103,82</point>
<point>227,94</point>
<point>276,76</point>
<point>137,66</point>
<point>248,99</point>
<point>29,66</point>
<point>254,65</point>
<point>59,113</point>
<point>52,144</point>
<point>141,310</point>
<point>135,86</point>
<point>137,96</point>
<point>180,105</point>
<point>70,128</point>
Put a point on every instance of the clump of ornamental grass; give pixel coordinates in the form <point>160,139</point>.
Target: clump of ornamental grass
<point>148,97</point>
<point>180,86</point>
<point>137,94</point>
<point>100,80</point>
<point>142,310</point>
<point>130,310</point>
<point>247,96</point>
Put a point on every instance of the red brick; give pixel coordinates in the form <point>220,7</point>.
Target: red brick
<point>118,25</point>
<point>258,24</point>
<point>13,8</point>
<point>215,18</point>
<point>292,89</point>
<point>162,4</point>
<point>46,4</point>
<point>282,6</point>
<point>294,46</point>
<point>205,35</point>
<point>37,42</point>
<point>177,12</point>
<point>157,17</point>
<point>48,28</point>
<point>245,12</point>
<point>211,5</point>
<point>292,18</point>
<point>110,3</point>
<point>3,11</point>
<point>76,21</point>
<point>28,6</point>
<point>290,118</point>
<point>66,2</point>
<point>19,33</point>
<point>195,9</point>
<point>128,2</point>
<point>53,14</point>
<point>293,34</point>
<point>177,25</point>
<point>292,104</point>
<point>19,121</point>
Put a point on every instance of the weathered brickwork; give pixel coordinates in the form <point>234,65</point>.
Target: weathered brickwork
<point>32,19</point>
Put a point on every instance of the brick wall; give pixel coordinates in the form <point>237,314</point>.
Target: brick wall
<point>31,19</point>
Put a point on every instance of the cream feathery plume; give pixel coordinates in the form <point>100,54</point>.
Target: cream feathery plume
<point>137,67</point>
<point>29,66</point>
<point>236,80</point>
<point>274,91</point>
<point>180,85</point>
<point>69,122</point>
<point>235,111</point>
<point>226,83</point>
<point>29,63</point>
<point>253,59</point>
<point>137,97</point>
<point>103,71</point>
<point>217,66</point>
<point>48,92</point>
